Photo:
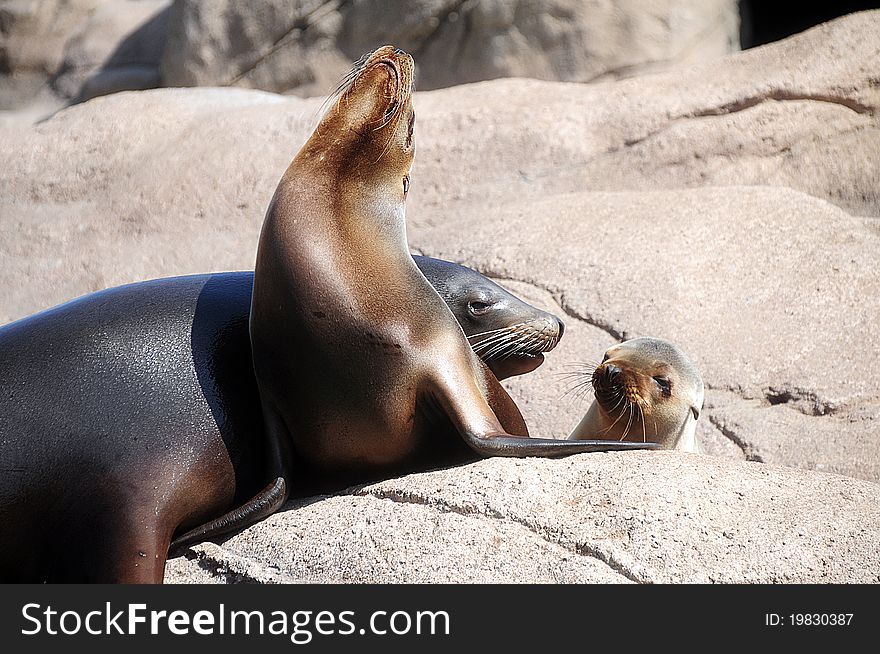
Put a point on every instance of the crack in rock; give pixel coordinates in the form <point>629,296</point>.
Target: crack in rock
<point>300,25</point>
<point>782,95</point>
<point>804,401</point>
<point>743,104</point>
<point>558,297</point>
<point>233,568</point>
<point>801,400</point>
<point>583,549</point>
<point>736,439</point>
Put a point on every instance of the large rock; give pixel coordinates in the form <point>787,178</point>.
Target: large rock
<point>660,517</point>
<point>696,266</point>
<point>845,444</point>
<point>732,208</point>
<point>55,51</point>
<point>304,47</point>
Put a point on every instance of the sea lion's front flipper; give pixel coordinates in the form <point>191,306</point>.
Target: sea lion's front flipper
<point>504,445</point>
<point>479,425</point>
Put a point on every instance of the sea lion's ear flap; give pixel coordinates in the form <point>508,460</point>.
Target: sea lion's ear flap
<point>696,412</point>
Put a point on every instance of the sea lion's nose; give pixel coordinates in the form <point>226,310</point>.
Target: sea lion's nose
<point>611,372</point>
<point>560,328</point>
<point>399,52</point>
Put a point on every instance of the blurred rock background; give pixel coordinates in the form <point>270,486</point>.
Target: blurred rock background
<point>57,52</point>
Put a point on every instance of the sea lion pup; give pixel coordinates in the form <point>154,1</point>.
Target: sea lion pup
<point>131,415</point>
<point>646,390</point>
<point>363,371</point>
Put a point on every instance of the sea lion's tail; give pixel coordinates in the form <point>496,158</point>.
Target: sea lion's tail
<point>263,504</point>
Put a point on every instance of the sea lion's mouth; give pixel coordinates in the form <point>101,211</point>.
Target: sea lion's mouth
<point>534,357</point>
<point>514,365</point>
<point>615,389</point>
<point>521,340</point>
<point>514,350</point>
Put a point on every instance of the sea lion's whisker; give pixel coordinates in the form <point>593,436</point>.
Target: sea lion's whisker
<point>590,363</point>
<point>489,343</point>
<point>628,422</point>
<point>505,348</point>
<point>524,343</point>
<point>490,331</point>
<point>499,350</point>
<point>578,374</point>
<point>580,390</point>
<point>504,343</point>
<point>518,344</point>
<point>585,390</point>
<point>488,347</point>
<point>620,415</point>
<point>497,335</point>
<point>577,393</point>
<point>642,418</point>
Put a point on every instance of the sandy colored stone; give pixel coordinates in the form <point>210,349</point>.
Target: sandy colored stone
<point>118,48</point>
<point>660,517</point>
<point>778,434</point>
<point>304,47</point>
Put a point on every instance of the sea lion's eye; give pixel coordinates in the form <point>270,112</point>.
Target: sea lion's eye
<point>405,184</point>
<point>663,385</point>
<point>478,308</point>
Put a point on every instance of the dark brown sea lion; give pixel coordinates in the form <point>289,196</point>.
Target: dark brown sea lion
<point>363,371</point>
<point>132,415</point>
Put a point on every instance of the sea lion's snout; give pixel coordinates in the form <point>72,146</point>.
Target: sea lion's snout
<point>560,329</point>
<point>612,372</point>
<point>608,385</point>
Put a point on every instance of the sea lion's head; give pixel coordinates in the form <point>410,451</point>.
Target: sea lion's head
<point>647,389</point>
<point>508,334</point>
<point>366,132</point>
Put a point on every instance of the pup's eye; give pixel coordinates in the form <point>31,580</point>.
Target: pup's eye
<point>478,308</point>
<point>663,385</point>
<point>405,184</point>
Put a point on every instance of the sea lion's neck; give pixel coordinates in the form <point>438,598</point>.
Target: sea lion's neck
<point>358,203</point>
